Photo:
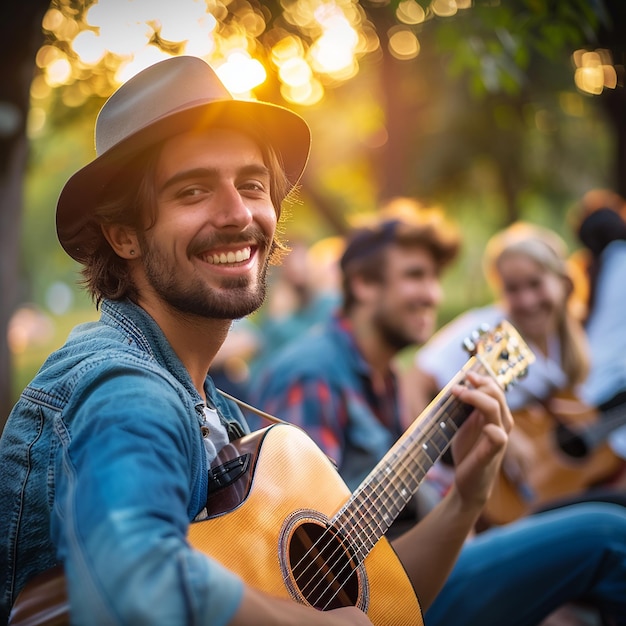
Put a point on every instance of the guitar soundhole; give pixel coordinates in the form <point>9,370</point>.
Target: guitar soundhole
<point>570,442</point>
<point>324,572</point>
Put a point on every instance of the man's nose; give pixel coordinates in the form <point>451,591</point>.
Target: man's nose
<point>229,208</point>
<point>434,292</point>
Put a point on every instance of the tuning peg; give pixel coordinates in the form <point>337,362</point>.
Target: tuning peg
<point>469,346</point>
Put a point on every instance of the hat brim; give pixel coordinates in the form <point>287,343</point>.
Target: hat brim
<point>284,130</point>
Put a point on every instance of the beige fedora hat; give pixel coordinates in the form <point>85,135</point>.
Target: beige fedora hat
<point>172,96</point>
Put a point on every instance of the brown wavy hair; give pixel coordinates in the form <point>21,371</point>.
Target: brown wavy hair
<point>402,222</point>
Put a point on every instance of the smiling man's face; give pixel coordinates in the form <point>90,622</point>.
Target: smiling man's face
<point>207,253</point>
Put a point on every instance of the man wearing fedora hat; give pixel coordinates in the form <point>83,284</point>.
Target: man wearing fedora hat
<point>107,456</point>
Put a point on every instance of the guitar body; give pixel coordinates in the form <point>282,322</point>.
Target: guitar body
<point>294,491</point>
<point>554,474</point>
<point>263,525</point>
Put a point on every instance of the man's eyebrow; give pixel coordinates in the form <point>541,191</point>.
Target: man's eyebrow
<point>254,169</point>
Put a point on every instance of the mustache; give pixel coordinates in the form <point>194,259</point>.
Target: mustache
<point>251,236</point>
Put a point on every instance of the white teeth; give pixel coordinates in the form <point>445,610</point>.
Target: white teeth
<point>230,257</point>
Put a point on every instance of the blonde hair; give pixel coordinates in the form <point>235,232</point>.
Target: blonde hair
<point>550,252</point>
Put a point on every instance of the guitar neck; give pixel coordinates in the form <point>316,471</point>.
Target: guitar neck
<point>387,489</point>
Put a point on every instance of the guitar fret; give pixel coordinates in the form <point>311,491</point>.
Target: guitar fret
<point>391,484</point>
<point>386,492</point>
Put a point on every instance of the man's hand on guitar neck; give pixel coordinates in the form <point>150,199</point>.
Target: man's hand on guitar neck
<point>264,610</point>
<point>479,446</point>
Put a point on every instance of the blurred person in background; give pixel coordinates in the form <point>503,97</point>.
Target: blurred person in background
<point>547,462</point>
<point>339,383</point>
<point>302,291</point>
<point>602,231</point>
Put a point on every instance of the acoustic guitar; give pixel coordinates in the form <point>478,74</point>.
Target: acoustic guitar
<point>281,517</point>
<point>568,440</point>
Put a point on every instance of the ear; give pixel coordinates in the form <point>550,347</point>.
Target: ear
<point>365,290</point>
<point>123,240</point>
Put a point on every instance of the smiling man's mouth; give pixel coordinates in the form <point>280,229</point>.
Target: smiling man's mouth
<point>232,256</point>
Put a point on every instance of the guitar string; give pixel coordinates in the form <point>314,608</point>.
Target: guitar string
<point>596,432</point>
<point>406,480</point>
<point>369,534</point>
<point>431,422</point>
<point>339,548</point>
<point>408,452</point>
<point>409,455</point>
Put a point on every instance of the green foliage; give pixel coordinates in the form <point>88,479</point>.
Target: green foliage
<point>55,155</point>
<point>493,48</point>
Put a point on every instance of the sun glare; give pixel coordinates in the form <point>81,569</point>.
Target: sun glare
<point>241,74</point>
<point>112,40</point>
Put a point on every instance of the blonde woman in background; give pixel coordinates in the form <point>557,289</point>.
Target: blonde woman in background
<point>546,461</point>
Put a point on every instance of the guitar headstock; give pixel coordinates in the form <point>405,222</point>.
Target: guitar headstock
<point>502,350</point>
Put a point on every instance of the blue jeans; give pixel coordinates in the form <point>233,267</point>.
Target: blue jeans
<point>518,574</point>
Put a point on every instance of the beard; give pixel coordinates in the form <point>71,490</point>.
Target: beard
<point>400,335</point>
<point>236,298</point>
<point>392,333</point>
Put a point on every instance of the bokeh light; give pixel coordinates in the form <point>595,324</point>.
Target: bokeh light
<point>410,12</point>
<point>403,44</point>
<point>594,71</point>
<point>241,74</point>
<point>310,46</point>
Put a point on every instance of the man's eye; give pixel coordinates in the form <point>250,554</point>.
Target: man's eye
<point>262,184</point>
<point>190,192</point>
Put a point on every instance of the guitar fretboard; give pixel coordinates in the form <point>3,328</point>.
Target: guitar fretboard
<point>384,493</point>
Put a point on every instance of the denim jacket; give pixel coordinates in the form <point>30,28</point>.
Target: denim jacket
<point>103,467</point>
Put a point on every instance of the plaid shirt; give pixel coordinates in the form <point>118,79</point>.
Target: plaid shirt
<point>321,383</point>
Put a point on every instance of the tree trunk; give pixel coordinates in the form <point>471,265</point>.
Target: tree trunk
<point>22,36</point>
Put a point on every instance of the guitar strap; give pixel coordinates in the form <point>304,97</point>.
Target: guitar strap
<point>263,414</point>
<point>253,409</point>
